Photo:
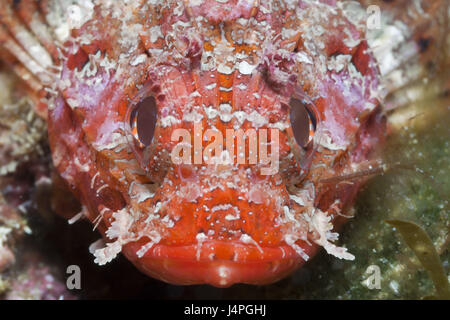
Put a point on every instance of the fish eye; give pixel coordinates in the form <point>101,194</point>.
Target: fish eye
<point>143,121</point>
<point>303,122</point>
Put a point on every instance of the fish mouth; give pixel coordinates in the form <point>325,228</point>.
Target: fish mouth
<point>218,263</point>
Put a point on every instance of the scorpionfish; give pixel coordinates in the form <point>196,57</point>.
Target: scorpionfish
<point>204,138</point>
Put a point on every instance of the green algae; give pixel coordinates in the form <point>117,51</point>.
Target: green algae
<point>419,241</point>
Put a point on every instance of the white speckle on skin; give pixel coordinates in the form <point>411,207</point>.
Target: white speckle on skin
<point>210,86</point>
<point>201,237</point>
<point>78,15</point>
<point>155,33</point>
<point>224,274</point>
<point>245,238</point>
<point>246,68</point>
<point>138,60</point>
<point>169,121</point>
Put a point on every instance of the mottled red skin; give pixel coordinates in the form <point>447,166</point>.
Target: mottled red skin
<point>103,106</point>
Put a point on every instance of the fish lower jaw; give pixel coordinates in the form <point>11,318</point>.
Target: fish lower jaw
<point>218,263</point>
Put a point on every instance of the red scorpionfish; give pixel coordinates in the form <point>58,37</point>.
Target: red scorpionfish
<point>126,85</point>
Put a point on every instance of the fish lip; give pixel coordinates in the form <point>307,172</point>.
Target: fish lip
<point>181,265</point>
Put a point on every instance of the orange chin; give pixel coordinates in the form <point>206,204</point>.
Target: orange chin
<point>218,263</point>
